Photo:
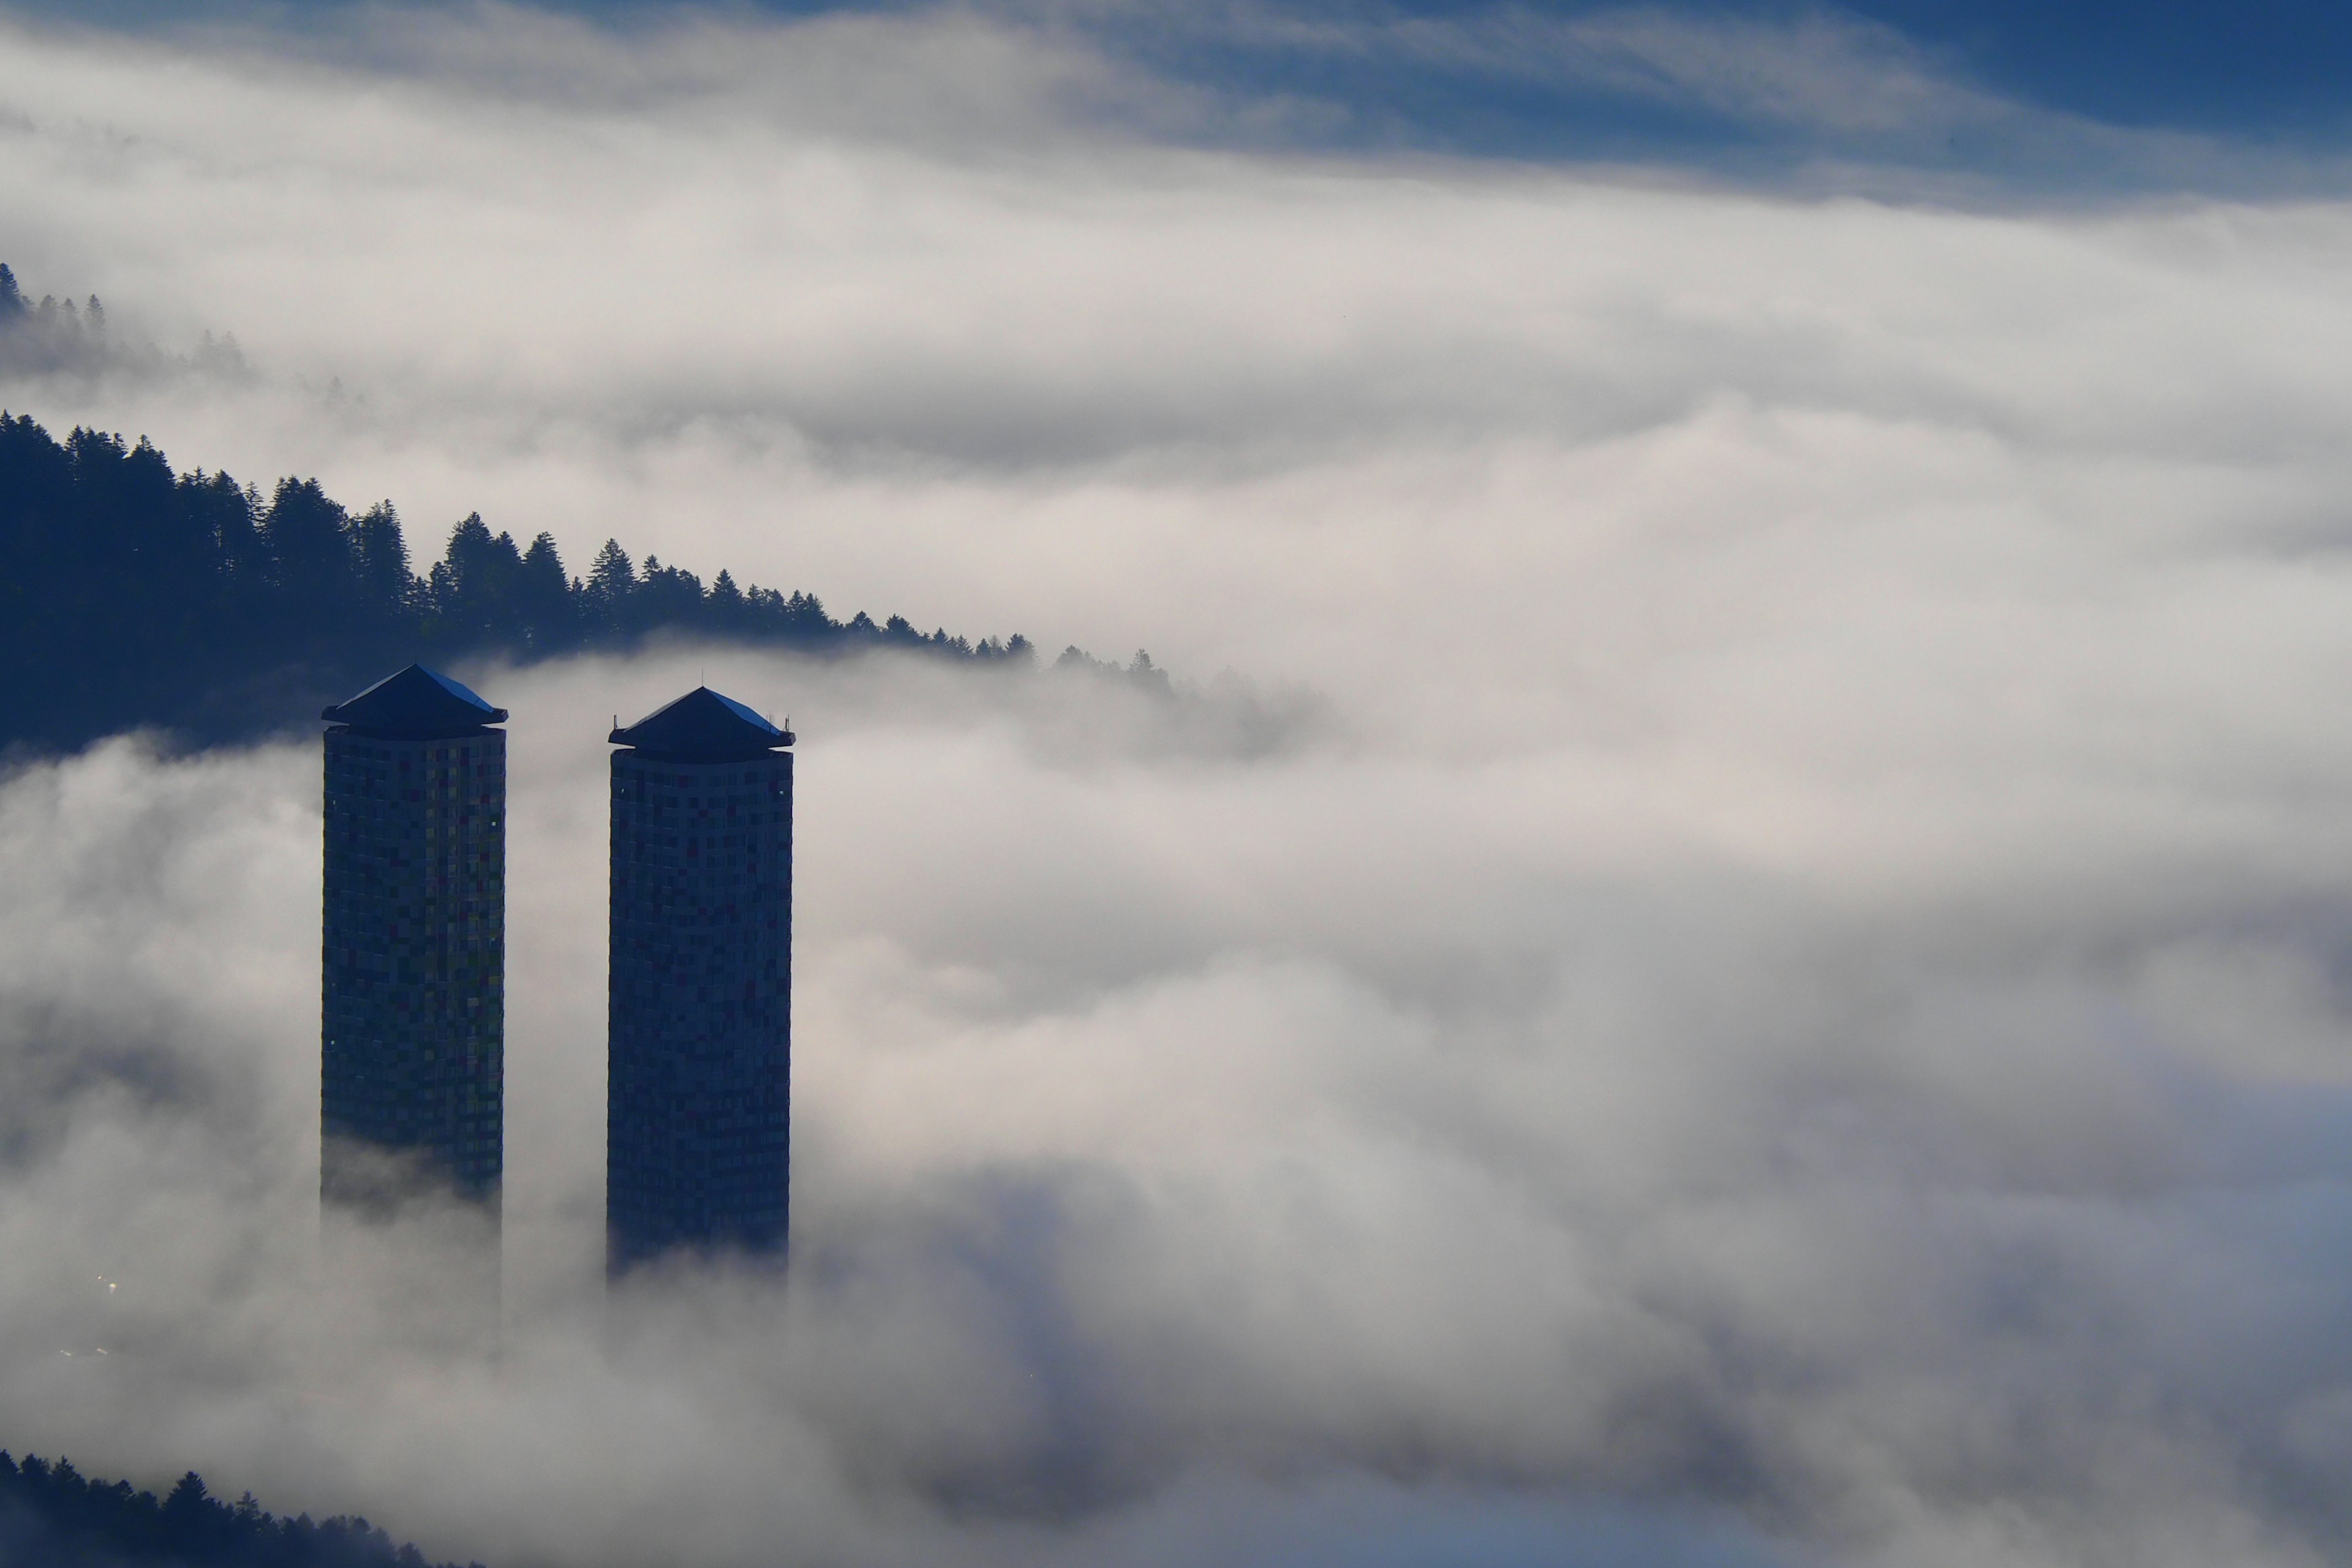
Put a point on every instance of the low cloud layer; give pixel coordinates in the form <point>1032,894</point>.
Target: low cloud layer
<point>1756,969</point>
<point>1347,1145</point>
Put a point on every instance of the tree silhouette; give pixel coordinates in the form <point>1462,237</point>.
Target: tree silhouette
<point>132,595</point>
<point>52,1515</point>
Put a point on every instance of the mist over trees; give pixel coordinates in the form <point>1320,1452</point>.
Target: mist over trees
<point>52,1515</point>
<point>50,336</point>
<point>54,336</point>
<point>131,595</point>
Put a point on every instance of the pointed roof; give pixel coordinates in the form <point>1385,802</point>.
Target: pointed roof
<point>416,702</point>
<point>702,726</point>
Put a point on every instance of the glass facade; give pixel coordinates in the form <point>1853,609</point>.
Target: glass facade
<point>413,1060</point>
<point>700,1088</point>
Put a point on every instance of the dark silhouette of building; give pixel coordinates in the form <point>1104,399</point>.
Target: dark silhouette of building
<point>699,1087</point>
<point>412,1049</point>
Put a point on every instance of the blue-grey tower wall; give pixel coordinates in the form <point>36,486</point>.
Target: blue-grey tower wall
<point>698,1108</point>
<point>412,1060</point>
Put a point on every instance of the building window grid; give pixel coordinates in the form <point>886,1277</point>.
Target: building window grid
<point>413,1054</point>
<point>701,1003</point>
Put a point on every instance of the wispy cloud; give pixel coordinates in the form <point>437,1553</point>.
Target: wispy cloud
<point>1820,72</point>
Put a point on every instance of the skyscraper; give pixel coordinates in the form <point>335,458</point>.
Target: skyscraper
<point>412,1058</point>
<point>699,1091</point>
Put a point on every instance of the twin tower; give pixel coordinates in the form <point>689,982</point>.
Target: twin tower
<point>698,1023</point>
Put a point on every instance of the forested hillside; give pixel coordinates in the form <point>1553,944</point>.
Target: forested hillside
<point>133,595</point>
<point>53,1517</point>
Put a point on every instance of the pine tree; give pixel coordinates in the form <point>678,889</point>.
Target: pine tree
<point>385,587</point>
<point>544,599</point>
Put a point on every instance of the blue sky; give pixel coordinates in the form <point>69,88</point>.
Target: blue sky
<point>2262,78</point>
<point>2258,68</point>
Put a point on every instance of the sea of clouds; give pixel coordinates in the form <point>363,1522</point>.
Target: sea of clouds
<point>1752,968</point>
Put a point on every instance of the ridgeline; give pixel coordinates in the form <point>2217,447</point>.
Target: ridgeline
<point>130,595</point>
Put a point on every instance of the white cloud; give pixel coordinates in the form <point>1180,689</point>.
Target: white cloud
<point>1789,982</point>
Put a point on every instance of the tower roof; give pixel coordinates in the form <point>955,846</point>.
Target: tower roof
<point>417,701</point>
<point>702,725</point>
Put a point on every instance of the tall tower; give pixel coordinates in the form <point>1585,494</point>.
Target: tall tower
<point>698,1092</point>
<point>413,1048</point>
